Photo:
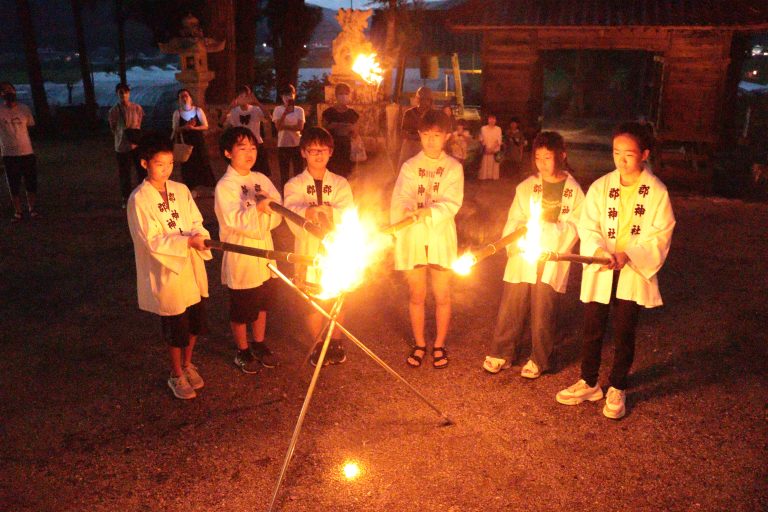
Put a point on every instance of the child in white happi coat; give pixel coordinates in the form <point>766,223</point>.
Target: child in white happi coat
<point>535,286</point>
<point>321,196</point>
<point>169,244</point>
<point>491,139</point>
<point>430,187</point>
<point>627,217</point>
<point>242,200</point>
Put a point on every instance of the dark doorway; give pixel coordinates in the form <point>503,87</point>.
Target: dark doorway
<point>608,85</point>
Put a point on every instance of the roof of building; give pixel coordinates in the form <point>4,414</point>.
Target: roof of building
<point>701,14</point>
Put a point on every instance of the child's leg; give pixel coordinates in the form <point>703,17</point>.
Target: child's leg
<point>186,352</point>
<point>259,327</point>
<point>417,285</point>
<point>13,177</point>
<point>543,323</point>
<point>441,289</point>
<point>510,321</point>
<point>239,332</point>
<point>175,355</point>
<point>625,313</point>
<point>30,181</point>
<point>595,318</point>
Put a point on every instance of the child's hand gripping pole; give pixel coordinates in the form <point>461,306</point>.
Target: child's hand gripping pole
<point>297,219</point>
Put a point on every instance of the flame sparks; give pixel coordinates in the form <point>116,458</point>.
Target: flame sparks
<point>530,244</point>
<point>349,250</point>
<point>463,265</point>
<point>351,470</point>
<point>369,70</point>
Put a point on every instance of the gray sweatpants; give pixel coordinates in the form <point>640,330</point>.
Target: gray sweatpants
<point>516,302</point>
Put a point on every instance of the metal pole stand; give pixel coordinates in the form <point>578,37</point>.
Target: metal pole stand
<point>332,324</point>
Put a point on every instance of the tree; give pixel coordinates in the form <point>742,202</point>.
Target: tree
<point>120,20</point>
<point>246,14</point>
<point>400,33</point>
<point>291,23</point>
<point>34,71</point>
<point>85,67</point>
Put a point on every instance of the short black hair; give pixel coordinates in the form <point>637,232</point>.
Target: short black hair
<point>316,135</point>
<point>514,119</point>
<point>287,89</point>
<point>553,142</point>
<point>152,143</point>
<point>640,133</point>
<point>122,86</point>
<point>243,89</point>
<point>232,136</point>
<point>342,88</point>
<point>178,93</point>
<point>5,84</point>
<point>435,119</point>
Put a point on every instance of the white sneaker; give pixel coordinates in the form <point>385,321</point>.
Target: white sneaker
<point>495,364</point>
<point>615,404</point>
<point>181,388</point>
<point>578,393</point>
<point>530,370</point>
<point>193,377</point>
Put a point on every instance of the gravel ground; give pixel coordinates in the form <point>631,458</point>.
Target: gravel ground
<point>89,424</point>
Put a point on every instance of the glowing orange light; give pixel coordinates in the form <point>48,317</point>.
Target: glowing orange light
<point>530,244</point>
<point>369,70</point>
<point>351,470</point>
<point>463,265</point>
<point>349,251</point>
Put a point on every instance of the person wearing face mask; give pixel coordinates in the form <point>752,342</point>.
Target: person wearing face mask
<point>16,148</point>
<point>340,120</point>
<point>289,120</point>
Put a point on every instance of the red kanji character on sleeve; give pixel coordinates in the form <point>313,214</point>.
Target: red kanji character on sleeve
<point>568,192</point>
<point>421,190</point>
<point>537,189</point>
<point>639,210</point>
<point>635,229</point>
<point>613,213</point>
<point>643,190</point>
<point>613,193</point>
<point>611,233</point>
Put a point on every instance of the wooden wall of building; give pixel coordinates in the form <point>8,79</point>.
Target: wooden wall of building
<point>692,89</point>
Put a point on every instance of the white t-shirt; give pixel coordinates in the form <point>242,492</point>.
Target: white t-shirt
<point>253,116</point>
<point>14,130</point>
<point>288,138</point>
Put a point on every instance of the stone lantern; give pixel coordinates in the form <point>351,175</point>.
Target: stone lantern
<point>193,48</point>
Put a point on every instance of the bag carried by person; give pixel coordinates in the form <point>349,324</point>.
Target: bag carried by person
<point>357,150</point>
<point>181,151</point>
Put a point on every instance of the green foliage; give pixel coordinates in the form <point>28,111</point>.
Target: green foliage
<point>313,90</point>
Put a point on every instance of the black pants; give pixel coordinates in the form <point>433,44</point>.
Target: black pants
<point>624,323</point>
<point>126,161</point>
<point>285,156</point>
<point>18,167</point>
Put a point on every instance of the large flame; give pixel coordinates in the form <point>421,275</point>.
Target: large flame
<point>530,244</point>
<point>463,265</point>
<point>369,70</point>
<point>349,251</point>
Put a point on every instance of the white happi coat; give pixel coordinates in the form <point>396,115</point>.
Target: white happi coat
<point>435,183</point>
<point>242,224</point>
<point>652,226</point>
<point>300,194</point>
<point>559,237</point>
<point>170,275</point>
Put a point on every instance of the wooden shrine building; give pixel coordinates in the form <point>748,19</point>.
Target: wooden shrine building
<point>694,45</point>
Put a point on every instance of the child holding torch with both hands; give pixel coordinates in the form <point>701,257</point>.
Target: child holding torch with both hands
<point>627,217</point>
<point>535,286</point>
<point>169,244</point>
<point>321,196</point>
<point>430,187</point>
<point>242,206</point>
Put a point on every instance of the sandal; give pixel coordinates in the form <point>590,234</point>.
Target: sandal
<point>414,360</point>
<point>436,360</point>
<point>495,364</point>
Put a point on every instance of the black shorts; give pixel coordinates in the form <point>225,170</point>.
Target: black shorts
<point>245,305</point>
<point>18,167</point>
<point>177,328</point>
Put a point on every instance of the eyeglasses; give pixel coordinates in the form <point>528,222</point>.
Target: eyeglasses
<point>317,152</point>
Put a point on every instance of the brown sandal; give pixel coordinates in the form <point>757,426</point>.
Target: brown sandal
<point>416,358</point>
<point>438,359</point>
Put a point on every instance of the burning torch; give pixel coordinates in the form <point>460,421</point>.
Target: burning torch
<point>464,265</point>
